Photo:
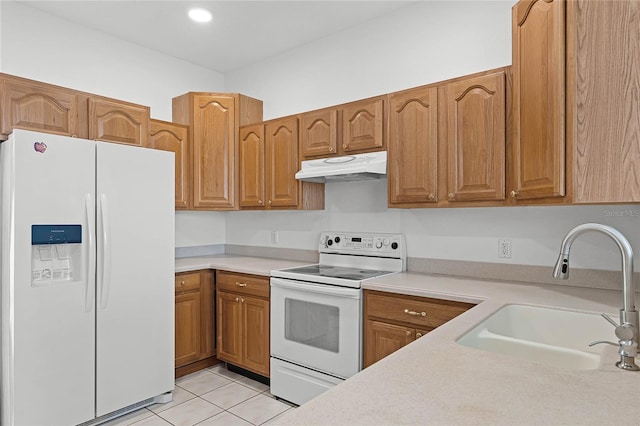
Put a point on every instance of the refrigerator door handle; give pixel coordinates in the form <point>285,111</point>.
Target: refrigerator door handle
<point>90,254</point>
<point>106,253</point>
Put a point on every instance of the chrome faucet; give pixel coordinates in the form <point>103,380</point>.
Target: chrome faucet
<point>627,330</point>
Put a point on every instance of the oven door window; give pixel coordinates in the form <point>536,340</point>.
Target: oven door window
<point>312,324</point>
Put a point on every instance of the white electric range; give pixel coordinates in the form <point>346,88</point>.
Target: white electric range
<point>316,312</point>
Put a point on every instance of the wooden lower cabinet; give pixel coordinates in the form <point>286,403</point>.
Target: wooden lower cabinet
<point>243,321</point>
<point>392,321</point>
<point>194,321</point>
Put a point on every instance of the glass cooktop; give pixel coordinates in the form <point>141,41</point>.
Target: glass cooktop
<point>356,274</point>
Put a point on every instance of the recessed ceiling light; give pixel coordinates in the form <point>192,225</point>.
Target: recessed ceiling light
<point>200,15</point>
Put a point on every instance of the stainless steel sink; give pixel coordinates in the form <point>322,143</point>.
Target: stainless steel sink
<point>554,337</point>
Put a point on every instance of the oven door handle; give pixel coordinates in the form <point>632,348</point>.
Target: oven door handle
<point>331,290</point>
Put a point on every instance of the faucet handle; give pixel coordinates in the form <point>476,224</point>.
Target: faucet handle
<point>623,331</point>
<point>603,342</point>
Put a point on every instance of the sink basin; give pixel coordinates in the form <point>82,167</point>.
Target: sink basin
<point>554,337</point>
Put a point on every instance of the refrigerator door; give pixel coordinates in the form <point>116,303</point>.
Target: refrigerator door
<point>135,278</point>
<point>48,324</point>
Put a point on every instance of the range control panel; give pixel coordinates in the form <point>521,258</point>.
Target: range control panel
<point>391,245</point>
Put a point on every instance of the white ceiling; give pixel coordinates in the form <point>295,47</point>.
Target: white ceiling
<point>241,33</point>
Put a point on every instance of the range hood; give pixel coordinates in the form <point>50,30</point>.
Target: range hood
<point>372,165</point>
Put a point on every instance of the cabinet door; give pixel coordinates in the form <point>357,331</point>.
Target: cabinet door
<point>282,162</point>
<point>214,157</point>
<point>413,146</point>
<point>118,121</point>
<point>208,316</point>
<point>603,102</point>
<point>382,339</point>
<point>319,134</point>
<point>363,126</point>
<point>251,152</point>
<point>38,106</point>
<point>255,335</point>
<point>476,138</point>
<point>538,99</point>
<point>229,327</point>
<point>188,330</point>
<point>173,137</point>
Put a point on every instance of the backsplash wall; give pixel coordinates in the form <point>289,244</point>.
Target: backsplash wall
<point>468,234</point>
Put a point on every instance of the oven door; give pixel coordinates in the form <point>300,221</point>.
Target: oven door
<point>317,326</point>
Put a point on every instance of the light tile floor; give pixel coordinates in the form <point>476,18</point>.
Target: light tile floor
<point>211,397</point>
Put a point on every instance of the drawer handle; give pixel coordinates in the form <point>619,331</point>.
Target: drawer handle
<point>241,284</point>
<point>182,282</point>
<point>415,314</point>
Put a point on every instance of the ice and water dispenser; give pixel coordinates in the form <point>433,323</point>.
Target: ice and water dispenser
<point>55,253</point>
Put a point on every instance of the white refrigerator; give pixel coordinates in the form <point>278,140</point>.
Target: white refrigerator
<point>87,267</point>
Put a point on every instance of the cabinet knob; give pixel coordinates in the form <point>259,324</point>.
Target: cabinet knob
<point>431,197</point>
<point>418,335</point>
<point>242,300</point>
<point>330,149</point>
<point>269,201</point>
<point>260,202</point>
<point>237,299</point>
<point>241,284</point>
<point>408,332</point>
<point>344,146</point>
<point>514,193</point>
<point>451,196</point>
<point>182,283</point>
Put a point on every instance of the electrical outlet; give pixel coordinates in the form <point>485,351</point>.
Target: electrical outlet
<point>274,237</point>
<point>504,248</point>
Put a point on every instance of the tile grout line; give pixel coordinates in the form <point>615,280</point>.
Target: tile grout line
<point>224,410</point>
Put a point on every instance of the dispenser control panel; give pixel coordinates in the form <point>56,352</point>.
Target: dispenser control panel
<point>55,252</point>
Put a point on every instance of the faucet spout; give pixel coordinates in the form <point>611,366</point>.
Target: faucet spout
<point>561,269</point>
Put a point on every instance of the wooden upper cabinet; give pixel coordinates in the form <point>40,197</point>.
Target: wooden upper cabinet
<point>32,105</point>
<point>112,120</point>
<point>319,133</point>
<point>252,170</point>
<point>282,162</point>
<point>363,126</point>
<point>214,119</point>
<point>475,138</point>
<point>413,147</point>
<point>538,99</point>
<point>173,137</point>
<point>603,101</point>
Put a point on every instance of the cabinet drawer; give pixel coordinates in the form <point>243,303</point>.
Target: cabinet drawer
<point>242,283</point>
<point>418,311</point>
<point>187,281</point>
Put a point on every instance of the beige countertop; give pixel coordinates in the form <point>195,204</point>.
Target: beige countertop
<point>436,381</point>
<point>235,263</point>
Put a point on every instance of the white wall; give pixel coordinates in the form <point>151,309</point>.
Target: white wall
<point>419,44</point>
<point>42,47</point>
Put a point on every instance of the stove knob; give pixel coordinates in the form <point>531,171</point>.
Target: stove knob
<point>394,245</point>
<point>378,244</point>
<point>337,240</point>
<point>330,242</point>
<point>385,242</point>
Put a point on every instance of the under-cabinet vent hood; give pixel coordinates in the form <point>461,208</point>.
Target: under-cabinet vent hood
<point>372,165</point>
